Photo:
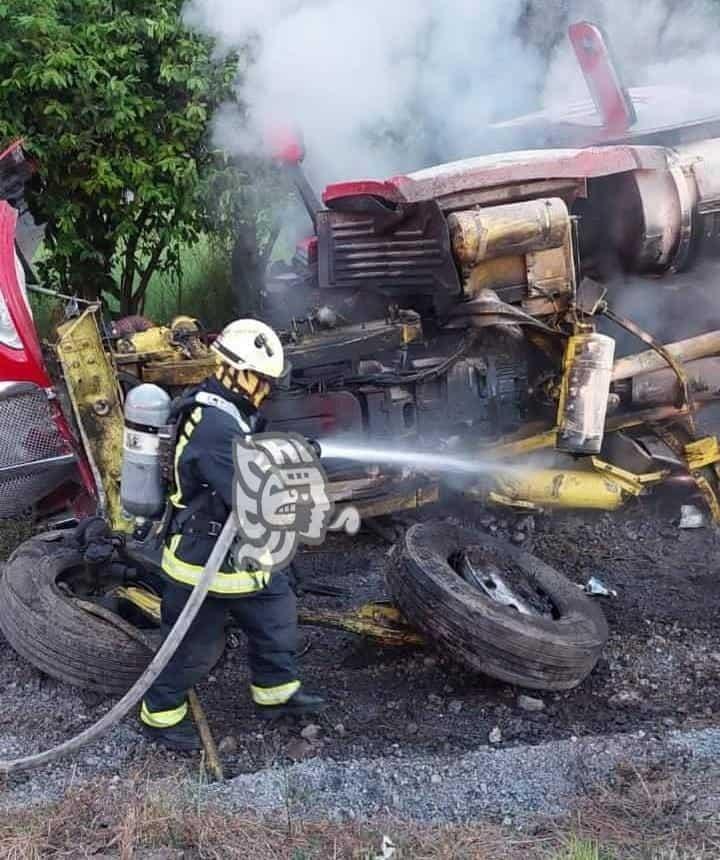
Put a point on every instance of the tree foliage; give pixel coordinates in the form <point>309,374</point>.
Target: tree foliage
<point>114,98</point>
<point>245,202</point>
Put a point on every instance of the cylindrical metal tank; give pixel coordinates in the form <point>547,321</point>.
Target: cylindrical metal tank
<point>509,230</point>
<point>563,488</point>
<point>701,160</point>
<point>147,409</point>
<point>587,370</point>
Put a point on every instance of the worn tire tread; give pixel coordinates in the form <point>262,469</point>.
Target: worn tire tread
<point>54,634</point>
<point>535,652</point>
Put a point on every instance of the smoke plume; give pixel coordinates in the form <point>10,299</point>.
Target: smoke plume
<point>377,86</point>
<point>668,43</point>
<point>384,86</point>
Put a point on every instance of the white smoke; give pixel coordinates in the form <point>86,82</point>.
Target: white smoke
<point>385,86</point>
<point>376,86</point>
<point>669,43</point>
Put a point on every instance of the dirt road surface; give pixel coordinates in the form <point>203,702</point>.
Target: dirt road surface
<point>660,672</point>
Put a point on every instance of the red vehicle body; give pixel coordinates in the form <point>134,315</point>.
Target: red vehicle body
<point>40,461</point>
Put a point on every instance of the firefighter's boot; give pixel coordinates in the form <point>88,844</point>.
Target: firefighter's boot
<point>299,704</point>
<point>182,737</point>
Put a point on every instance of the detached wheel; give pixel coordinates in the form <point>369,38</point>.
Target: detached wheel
<point>496,609</point>
<point>46,627</point>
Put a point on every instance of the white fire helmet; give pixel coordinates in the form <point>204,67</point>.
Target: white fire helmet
<point>251,345</point>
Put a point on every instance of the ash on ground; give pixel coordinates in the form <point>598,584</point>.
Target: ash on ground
<point>660,669</point>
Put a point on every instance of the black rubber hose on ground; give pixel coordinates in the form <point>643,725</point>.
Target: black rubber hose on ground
<point>158,663</point>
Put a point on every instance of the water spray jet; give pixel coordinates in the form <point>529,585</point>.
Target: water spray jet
<point>418,459</point>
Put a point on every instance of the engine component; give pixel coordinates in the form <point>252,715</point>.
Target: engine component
<point>487,393</point>
<point>147,409</point>
<point>521,252</point>
<point>314,415</point>
<point>345,346</point>
<point>181,338</point>
<point>506,231</point>
<point>587,370</point>
<point>326,317</point>
<point>128,326</point>
<point>683,351</point>
<point>652,210</point>
<point>704,161</point>
<point>397,251</point>
<point>391,412</point>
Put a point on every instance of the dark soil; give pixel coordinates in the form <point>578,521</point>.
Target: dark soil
<point>661,667</point>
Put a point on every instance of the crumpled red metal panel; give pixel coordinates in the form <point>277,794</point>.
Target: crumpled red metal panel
<point>514,167</point>
<point>24,364</point>
<point>507,168</point>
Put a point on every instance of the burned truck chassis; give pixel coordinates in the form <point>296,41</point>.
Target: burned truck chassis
<point>453,308</point>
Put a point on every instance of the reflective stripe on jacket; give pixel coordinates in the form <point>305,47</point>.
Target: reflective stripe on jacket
<point>232,583</point>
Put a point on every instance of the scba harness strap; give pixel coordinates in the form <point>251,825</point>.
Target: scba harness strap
<point>205,513</point>
<point>204,398</point>
<point>192,520</point>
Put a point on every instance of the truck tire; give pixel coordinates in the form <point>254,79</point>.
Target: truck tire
<point>554,649</point>
<point>46,627</point>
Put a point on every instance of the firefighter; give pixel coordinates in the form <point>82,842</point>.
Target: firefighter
<point>250,360</point>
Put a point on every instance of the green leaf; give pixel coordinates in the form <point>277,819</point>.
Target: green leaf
<point>111,98</point>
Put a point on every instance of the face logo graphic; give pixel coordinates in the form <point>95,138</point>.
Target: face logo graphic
<point>281,500</point>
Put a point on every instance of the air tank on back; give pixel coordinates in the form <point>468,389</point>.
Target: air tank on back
<point>142,493</point>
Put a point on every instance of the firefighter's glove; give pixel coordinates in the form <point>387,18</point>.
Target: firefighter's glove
<point>98,552</point>
<point>94,538</point>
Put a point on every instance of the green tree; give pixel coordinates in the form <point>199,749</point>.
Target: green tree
<point>114,98</point>
<point>245,199</point>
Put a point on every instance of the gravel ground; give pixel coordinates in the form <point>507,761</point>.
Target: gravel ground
<point>407,730</point>
<point>498,784</point>
<point>38,713</point>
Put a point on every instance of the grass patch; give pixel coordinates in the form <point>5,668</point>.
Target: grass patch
<point>639,818</point>
<point>202,289</point>
<point>137,818</point>
<point>649,816</point>
<point>582,849</point>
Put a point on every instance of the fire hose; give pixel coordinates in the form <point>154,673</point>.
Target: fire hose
<point>163,656</point>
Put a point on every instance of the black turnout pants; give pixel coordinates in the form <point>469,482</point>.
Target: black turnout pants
<point>268,618</point>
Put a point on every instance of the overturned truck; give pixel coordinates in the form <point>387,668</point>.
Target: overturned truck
<point>468,307</point>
